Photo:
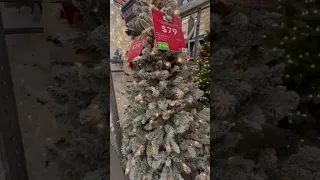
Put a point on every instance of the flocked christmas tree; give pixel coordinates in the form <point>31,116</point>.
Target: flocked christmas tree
<point>203,70</point>
<point>298,33</point>
<point>248,101</point>
<point>166,134</point>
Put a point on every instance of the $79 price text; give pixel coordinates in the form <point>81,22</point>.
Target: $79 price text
<point>169,30</point>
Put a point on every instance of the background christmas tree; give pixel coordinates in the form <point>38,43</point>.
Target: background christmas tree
<point>91,23</point>
<point>248,101</point>
<point>81,99</point>
<point>167,132</point>
<point>203,63</point>
<point>298,33</point>
<point>81,103</point>
<point>119,37</point>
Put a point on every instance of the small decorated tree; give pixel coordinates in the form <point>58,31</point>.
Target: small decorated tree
<point>298,34</point>
<point>118,35</point>
<point>167,132</point>
<point>247,99</point>
<point>203,70</point>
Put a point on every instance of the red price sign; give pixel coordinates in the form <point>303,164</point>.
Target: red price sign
<point>168,35</point>
<point>135,48</point>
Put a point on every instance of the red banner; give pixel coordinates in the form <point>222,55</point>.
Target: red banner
<point>168,33</point>
<point>135,48</point>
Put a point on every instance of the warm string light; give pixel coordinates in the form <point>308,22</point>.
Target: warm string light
<point>153,149</point>
<point>100,126</point>
<point>176,12</point>
<point>196,143</point>
<point>185,166</point>
<point>168,64</point>
<point>179,93</point>
<point>180,60</point>
<point>153,89</point>
<point>139,97</point>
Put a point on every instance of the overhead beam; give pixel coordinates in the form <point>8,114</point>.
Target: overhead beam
<point>193,7</point>
<point>23,30</point>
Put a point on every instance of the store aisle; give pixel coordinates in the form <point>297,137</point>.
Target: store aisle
<point>116,170</point>
<point>30,57</point>
<point>120,81</point>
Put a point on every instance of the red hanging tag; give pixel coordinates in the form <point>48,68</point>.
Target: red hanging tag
<point>69,11</point>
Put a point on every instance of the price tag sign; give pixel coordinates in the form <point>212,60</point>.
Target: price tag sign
<point>135,48</point>
<point>168,34</point>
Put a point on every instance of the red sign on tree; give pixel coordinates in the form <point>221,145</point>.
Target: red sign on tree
<point>135,48</point>
<point>168,32</point>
